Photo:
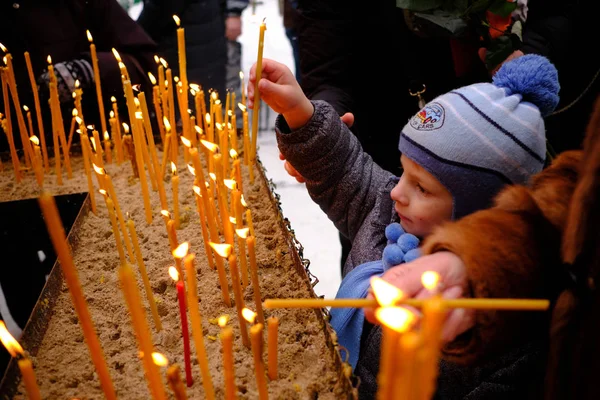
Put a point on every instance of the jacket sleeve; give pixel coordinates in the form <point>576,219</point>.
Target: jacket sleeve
<point>156,16</point>
<point>115,29</point>
<point>517,257</point>
<point>325,30</point>
<point>340,177</point>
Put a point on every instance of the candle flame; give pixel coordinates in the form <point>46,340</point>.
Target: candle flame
<point>210,145</point>
<point>219,126</point>
<point>242,107</point>
<point>186,142</point>
<point>137,87</point>
<point>241,76</point>
<point>89,36</point>
<point>4,49</point>
<point>34,139</point>
<point>222,321</point>
<point>139,115</point>
<point>11,344</point>
<point>173,168</point>
<point>159,359</point>
<point>165,213</point>
<point>90,127</point>
<point>125,127</point>
<point>116,54</point>
<point>199,130</point>
<point>197,190</point>
<point>164,62</point>
<point>249,315</point>
<point>207,118</point>
<point>136,101</point>
<point>233,154</point>
<point>93,143</point>
<point>75,113</point>
<point>167,124</point>
<point>103,192</point>
<point>74,95</point>
<point>99,171</point>
<point>49,59</point>
<point>26,108</point>
<point>77,84</point>
<point>5,59</point>
<point>121,65</point>
<point>222,249</point>
<point>193,92</point>
<point>396,318</point>
<point>176,79</point>
<point>112,114</point>
<point>243,232</point>
<point>156,59</point>
<point>181,250</point>
<point>243,201</point>
<point>385,293</point>
<point>430,279</point>
<point>218,102</point>
<point>213,176</point>
<point>232,220</point>
<point>152,78</point>
<point>106,137</point>
<point>195,87</point>
<point>79,122</point>
<point>214,95</point>
<point>113,99</point>
<point>173,273</point>
<point>177,20</point>
<point>230,183</point>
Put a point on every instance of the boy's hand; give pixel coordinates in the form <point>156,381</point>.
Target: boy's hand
<point>453,278</point>
<point>280,90</point>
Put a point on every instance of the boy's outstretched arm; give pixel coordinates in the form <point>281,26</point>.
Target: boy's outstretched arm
<point>280,90</point>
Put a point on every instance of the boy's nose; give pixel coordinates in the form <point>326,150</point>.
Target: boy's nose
<point>398,194</point>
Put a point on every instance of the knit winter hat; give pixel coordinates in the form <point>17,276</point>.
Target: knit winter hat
<point>480,137</point>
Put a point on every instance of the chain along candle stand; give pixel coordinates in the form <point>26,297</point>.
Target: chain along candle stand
<point>94,251</point>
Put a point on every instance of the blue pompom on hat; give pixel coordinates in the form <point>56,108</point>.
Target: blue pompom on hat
<point>478,138</point>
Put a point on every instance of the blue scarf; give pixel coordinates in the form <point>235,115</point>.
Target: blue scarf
<point>348,322</point>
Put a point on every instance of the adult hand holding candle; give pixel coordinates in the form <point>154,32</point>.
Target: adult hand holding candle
<point>25,365</point>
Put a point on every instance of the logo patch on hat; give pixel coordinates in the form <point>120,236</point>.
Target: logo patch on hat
<point>430,118</point>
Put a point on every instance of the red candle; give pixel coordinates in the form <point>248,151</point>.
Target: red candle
<point>184,326</point>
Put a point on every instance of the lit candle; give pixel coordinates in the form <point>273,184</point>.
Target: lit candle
<point>38,166</point>
<point>38,110</point>
<point>8,128</point>
<point>158,111</point>
<point>107,149</point>
<point>226,225</point>
<point>166,146</point>
<point>96,68</point>
<point>242,88</point>
<point>142,332</point>
<point>182,55</point>
<point>236,197</point>
<point>255,113</point>
<point>59,241</point>
<point>174,136</point>
<point>177,386</point>
<point>173,242</point>
<point>254,276</point>
<point>237,169</point>
<point>98,147</point>
<point>226,251</point>
<point>86,151</point>
<point>227,344</point>
<point>202,214</point>
<point>184,325</point>
<point>175,187</point>
<point>196,321</point>
<point>113,195</point>
<point>227,102</point>
<point>114,114</point>
<point>249,220</point>
<point>140,139</point>
<point>144,274</point>
<point>272,327</point>
<point>128,145</point>
<point>256,336</point>
<point>74,119</point>
<point>60,127</point>
<point>406,369</point>
<point>24,363</point>
<point>115,227</point>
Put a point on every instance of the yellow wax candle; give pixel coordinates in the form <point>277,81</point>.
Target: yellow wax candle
<point>9,135</point>
<point>181,53</point>
<point>434,315</point>
<point>142,333</point>
<point>87,165</point>
<point>113,195</point>
<point>196,321</point>
<point>272,328</point>
<point>255,114</point>
<point>56,143</point>
<point>159,114</point>
<point>249,221</point>
<point>175,187</point>
<point>144,275</point>
<point>140,138</point>
<point>117,130</point>
<point>96,68</point>
<point>242,88</point>
<point>251,241</point>
<point>173,242</point>
<point>138,151</point>
<point>202,214</point>
<point>388,350</point>
<point>38,165</point>
<point>227,101</point>
<point>175,382</point>
<point>115,227</point>
<point>245,133</point>
<point>239,297</point>
<point>233,132</point>
<point>228,371</point>
<point>59,125</point>
<point>153,154</point>
<point>223,211</point>
<point>207,199</point>
<point>237,171</point>
<point>98,148</point>
<point>174,137</point>
<point>107,149</point>
<point>38,111</point>
<point>256,336</point>
<point>236,197</point>
<point>405,371</point>
<point>166,151</point>
<point>59,241</point>
<point>24,363</point>
<point>71,131</point>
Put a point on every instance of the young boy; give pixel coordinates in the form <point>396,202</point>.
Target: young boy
<point>457,153</point>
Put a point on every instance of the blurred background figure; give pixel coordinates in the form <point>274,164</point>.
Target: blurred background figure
<point>289,12</point>
<point>233,30</point>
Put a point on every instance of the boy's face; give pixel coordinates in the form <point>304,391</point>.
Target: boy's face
<point>421,201</point>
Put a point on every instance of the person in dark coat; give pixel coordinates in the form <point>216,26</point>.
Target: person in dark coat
<point>205,42</point>
<point>58,29</point>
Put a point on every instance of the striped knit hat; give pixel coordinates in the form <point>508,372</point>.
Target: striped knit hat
<point>480,137</point>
